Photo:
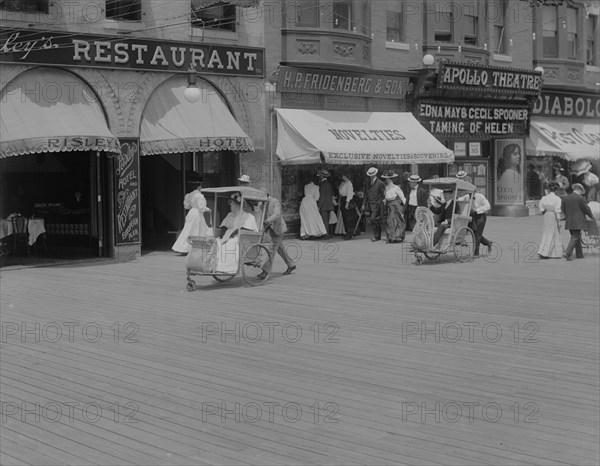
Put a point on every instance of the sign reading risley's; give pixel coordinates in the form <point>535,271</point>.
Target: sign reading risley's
<point>60,48</point>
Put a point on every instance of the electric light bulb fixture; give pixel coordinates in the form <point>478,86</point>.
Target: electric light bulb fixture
<point>192,94</point>
<point>534,36</point>
<point>428,59</point>
<point>459,48</point>
<point>510,41</point>
<point>485,46</point>
<point>539,69</point>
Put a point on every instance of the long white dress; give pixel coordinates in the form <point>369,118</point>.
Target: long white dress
<point>311,222</point>
<point>228,248</point>
<point>195,224</point>
<point>551,244</point>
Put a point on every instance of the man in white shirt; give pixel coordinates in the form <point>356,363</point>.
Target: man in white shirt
<point>479,211</point>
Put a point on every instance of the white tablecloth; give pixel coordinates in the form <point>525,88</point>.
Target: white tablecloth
<point>35,226</point>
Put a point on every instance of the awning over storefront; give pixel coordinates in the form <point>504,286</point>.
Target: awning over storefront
<point>571,140</point>
<point>171,124</point>
<point>196,4</point>
<point>389,138</point>
<point>47,110</point>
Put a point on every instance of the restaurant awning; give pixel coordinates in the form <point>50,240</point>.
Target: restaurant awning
<point>171,124</point>
<point>571,140</point>
<point>389,138</point>
<point>50,110</point>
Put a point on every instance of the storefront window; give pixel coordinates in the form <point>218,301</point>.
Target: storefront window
<point>124,10</point>
<point>572,33</point>
<point>550,31</point>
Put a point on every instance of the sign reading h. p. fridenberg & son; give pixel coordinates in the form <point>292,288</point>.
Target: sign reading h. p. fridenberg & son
<point>63,48</point>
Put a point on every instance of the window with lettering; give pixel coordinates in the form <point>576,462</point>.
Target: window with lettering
<point>124,10</point>
<point>218,16</point>
<point>591,42</point>
<point>25,5</point>
<point>394,31</point>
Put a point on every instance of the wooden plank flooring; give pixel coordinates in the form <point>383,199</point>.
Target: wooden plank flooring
<point>353,359</point>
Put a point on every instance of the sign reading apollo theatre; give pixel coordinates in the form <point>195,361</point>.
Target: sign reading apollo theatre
<point>61,48</point>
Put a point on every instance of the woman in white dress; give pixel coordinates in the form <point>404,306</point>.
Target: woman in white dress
<point>551,245</point>
<point>311,222</point>
<point>228,246</point>
<point>195,224</point>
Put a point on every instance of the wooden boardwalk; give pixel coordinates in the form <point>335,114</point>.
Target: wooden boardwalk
<point>359,357</point>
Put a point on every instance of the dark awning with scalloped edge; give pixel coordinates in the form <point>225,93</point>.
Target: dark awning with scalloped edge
<point>171,124</point>
<point>50,110</point>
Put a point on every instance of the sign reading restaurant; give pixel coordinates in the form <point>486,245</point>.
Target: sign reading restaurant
<point>63,48</point>
<point>495,80</point>
<point>470,120</point>
<point>314,81</point>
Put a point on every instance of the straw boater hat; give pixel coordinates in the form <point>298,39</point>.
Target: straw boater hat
<point>461,174</point>
<point>244,179</point>
<point>578,187</point>
<point>372,171</point>
<point>324,173</point>
<point>414,179</point>
<point>389,174</point>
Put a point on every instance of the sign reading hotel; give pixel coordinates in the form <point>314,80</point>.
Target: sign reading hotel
<point>496,80</point>
<point>567,105</point>
<point>481,121</point>
<point>313,81</point>
<point>63,48</point>
<point>127,193</point>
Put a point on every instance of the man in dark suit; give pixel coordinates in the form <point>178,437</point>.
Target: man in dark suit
<point>325,202</point>
<point>416,196</point>
<point>374,195</point>
<point>446,216</point>
<point>276,227</point>
<point>575,209</point>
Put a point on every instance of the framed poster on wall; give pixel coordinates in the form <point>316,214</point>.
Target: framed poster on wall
<point>509,172</point>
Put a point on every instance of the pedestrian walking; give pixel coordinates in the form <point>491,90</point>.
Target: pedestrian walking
<point>417,197</point>
<point>395,203</point>
<point>311,222</point>
<point>195,224</point>
<point>479,212</point>
<point>347,206</point>
<point>551,245</point>
<point>276,226</point>
<point>325,202</point>
<point>374,195</point>
<point>575,209</point>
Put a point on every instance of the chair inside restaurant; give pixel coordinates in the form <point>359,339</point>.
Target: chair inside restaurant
<point>46,207</point>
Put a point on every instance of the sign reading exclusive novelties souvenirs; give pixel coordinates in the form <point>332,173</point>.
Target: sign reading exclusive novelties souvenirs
<point>64,48</point>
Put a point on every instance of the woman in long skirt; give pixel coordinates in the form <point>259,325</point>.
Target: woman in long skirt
<point>195,224</point>
<point>551,244</point>
<point>395,203</point>
<point>347,206</point>
<point>311,222</point>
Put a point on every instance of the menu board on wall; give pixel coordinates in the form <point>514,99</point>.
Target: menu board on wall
<point>126,168</point>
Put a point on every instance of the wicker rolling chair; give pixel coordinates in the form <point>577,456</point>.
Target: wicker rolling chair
<point>20,234</point>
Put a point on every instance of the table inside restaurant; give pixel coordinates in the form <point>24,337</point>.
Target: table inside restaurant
<point>35,227</point>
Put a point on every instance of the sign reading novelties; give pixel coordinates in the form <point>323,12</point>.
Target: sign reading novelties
<point>65,48</point>
<point>126,166</point>
<point>314,81</point>
<point>493,80</point>
<point>472,120</point>
<point>567,105</point>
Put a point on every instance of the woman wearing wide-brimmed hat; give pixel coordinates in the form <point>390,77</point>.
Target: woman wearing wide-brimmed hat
<point>395,203</point>
<point>550,205</point>
<point>195,224</point>
<point>562,180</point>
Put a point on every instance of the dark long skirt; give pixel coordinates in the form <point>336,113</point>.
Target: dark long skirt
<point>395,225</point>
